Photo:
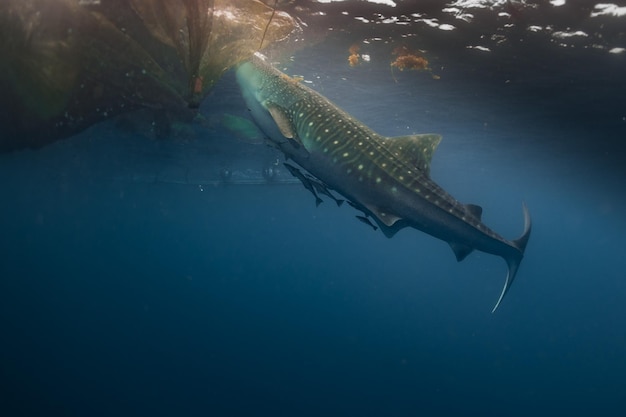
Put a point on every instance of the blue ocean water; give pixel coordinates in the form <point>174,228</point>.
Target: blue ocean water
<point>155,295</point>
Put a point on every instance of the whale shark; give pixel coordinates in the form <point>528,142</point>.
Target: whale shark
<point>387,178</point>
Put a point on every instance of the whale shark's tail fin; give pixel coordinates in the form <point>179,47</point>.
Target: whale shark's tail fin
<point>514,261</point>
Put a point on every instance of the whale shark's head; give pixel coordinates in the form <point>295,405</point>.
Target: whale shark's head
<point>262,85</point>
<point>257,78</point>
<point>250,79</point>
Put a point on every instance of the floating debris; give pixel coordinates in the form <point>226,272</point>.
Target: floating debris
<point>407,59</point>
<point>354,58</point>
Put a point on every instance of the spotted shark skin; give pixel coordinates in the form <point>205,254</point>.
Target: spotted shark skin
<point>388,178</point>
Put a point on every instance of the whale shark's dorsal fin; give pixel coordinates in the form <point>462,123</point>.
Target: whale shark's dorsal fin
<point>474,210</point>
<point>415,150</point>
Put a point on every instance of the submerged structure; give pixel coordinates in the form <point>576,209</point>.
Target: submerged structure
<point>67,64</point>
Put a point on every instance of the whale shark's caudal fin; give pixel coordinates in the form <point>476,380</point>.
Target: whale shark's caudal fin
<point>514,261</point>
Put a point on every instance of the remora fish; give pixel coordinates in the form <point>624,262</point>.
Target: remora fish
<point>365,220</point>
<point>386,177</point>
<point>305,181</point>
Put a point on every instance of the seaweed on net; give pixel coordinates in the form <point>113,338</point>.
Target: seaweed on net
<point>67,64</point>
<point>210,36</point>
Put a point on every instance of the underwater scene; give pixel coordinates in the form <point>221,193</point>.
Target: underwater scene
<point>312,208</point>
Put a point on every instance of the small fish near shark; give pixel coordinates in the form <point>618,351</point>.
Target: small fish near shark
<point>315,187</point>
<point>367,221</point>
<point>308,184</point>
<point>387,178</point>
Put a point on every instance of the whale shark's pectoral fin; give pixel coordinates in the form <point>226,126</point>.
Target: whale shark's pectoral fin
<point>415,150</point>
<point>281,118</point>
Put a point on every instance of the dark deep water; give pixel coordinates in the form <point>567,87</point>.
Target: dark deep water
<point>131,287</point>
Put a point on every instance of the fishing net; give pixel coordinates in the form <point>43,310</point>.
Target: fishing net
<point>67,64</point>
